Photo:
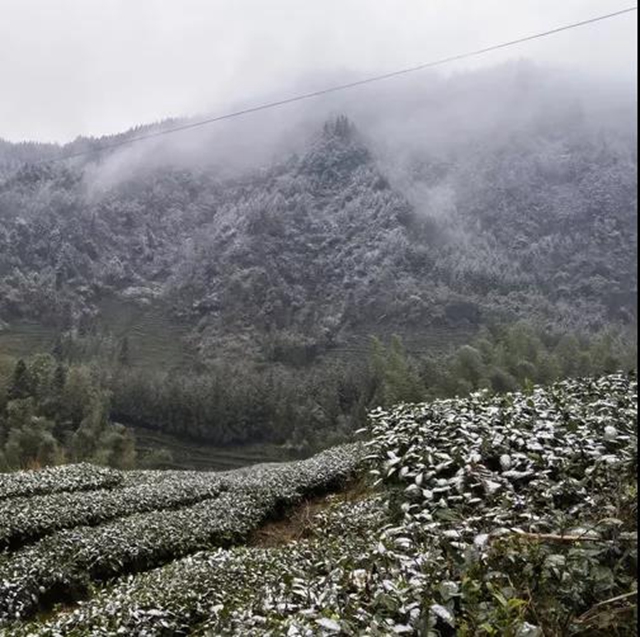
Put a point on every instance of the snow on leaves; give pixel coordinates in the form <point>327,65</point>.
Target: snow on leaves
<point>65,563</point>
<point>79,477</point>
<point>480,501</point>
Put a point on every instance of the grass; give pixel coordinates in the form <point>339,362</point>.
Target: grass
<point>198,455</point>
<point>156,340</point>
<point>24,339</point>
<point>300,522</point>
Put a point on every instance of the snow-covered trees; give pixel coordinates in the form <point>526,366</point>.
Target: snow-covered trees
<point>530,225</point>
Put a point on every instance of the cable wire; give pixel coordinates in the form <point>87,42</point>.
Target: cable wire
<point>340,87</point>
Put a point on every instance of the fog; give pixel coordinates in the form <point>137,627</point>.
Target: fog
<point>74,68</point>
<point>432,115</point>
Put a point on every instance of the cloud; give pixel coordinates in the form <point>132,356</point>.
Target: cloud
<point>73,67</point>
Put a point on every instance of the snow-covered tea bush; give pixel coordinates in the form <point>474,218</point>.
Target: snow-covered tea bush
<point>524,504</point>
<point>78,477</point>
<point>488,515</point>
<point>26,519</point>
<point>64,564</point>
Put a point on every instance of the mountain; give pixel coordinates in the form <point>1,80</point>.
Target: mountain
<point>333,242</point>
<point>223,287</point>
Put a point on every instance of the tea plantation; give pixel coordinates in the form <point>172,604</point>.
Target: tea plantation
<point>487,515</point>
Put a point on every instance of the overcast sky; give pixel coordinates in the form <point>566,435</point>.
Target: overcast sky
<point>89,67</point>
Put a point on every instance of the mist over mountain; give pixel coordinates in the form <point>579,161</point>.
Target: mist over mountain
<point>485,197</point>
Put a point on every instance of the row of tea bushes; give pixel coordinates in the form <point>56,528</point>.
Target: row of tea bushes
<point>63,565</point>
<point>495,515</point>
<point>513,459</point>
<point>67,478</point>
<point>240,591</point>
<point>24,520</point>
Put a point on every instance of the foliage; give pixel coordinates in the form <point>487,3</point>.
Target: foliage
<point>64,563</point>
<point>54,412</point>
<point>398,381</point>
<point>307,410</point>
<point>69,478</point>
<point>70,407</point>
<point>318,406</point>
<point>27,519</point>
<point>522,501</point>
<point>505,358</point>
<point>505,515</point>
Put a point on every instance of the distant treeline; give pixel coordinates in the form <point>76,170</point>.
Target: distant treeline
<point>325,403</point>
<point>53,410</point>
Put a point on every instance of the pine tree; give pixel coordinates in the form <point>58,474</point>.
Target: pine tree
<point>20,387</point>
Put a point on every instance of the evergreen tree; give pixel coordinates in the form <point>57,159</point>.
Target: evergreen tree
<point>398,381</point>
<point>20,386</point>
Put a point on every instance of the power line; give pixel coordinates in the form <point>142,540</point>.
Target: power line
<point>342,87</point>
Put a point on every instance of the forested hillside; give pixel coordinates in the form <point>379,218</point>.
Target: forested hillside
<point>173,267</point>
<point>537,221</point>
